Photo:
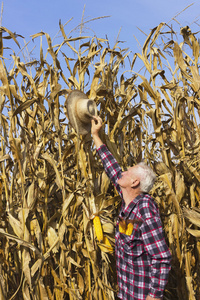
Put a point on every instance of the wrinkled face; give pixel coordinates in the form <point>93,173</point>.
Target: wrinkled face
<point>128,177</point>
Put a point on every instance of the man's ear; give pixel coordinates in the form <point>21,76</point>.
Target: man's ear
<point>135,183</point>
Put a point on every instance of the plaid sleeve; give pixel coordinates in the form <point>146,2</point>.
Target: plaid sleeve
<point>155,245</point>
<point>111,166</point>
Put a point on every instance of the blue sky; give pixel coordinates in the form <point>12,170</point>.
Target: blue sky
<point>29,17</point>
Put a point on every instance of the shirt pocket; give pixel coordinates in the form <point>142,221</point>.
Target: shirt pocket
<point>132,244</point>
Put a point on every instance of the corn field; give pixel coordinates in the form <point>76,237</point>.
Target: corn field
<point>57,206</point>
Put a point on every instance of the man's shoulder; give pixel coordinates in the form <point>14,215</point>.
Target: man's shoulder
<point>147,206</point>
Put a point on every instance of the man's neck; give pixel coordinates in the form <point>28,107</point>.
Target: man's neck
<point>129,195</point>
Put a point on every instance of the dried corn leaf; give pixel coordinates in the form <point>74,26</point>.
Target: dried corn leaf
<point>179,186</point>
<point>25,290</point>
<point>20,242</point>
<point>31,196</point>
<point>43,291</point>
<point>24,105</point>
<point>26,259</point>
<point>47,157</point>
<point>194,232</point>
<point>192,216</point>
<point>16,226</point>
<point>52,237</point>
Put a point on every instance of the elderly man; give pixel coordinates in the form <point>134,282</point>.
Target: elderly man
<point>142,255</point>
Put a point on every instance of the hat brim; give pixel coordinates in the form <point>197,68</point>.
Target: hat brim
<point>73,99</point>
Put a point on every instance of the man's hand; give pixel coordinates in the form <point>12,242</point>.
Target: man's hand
<point>96,126</point>
<point>152,298</point>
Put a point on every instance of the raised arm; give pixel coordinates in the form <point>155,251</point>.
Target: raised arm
<point>111,166</point>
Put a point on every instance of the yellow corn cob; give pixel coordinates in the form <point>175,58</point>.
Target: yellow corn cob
<point>98,228</point>
<point>122,228</point>
<point>129,229</point>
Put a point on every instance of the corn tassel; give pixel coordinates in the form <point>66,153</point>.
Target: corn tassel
<point>98,228</point>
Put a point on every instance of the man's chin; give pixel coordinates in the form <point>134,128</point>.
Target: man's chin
<point>118,182</point>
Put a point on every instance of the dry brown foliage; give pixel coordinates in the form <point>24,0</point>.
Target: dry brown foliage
<point>52,183</point>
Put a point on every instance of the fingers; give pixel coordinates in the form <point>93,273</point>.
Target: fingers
<point>96,123</point>
<point>96,120</point>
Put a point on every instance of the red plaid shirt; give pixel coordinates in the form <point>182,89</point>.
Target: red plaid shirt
<point>142,258</point>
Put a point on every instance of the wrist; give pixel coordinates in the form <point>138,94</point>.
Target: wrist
<point>95,134</point>
<point>98,142</point>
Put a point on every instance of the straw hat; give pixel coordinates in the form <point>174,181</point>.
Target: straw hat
<point>80,111</point>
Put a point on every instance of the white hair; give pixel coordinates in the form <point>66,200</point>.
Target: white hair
<point>147,177</point>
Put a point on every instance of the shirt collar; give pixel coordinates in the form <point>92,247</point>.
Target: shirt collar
<point>124,213</point>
